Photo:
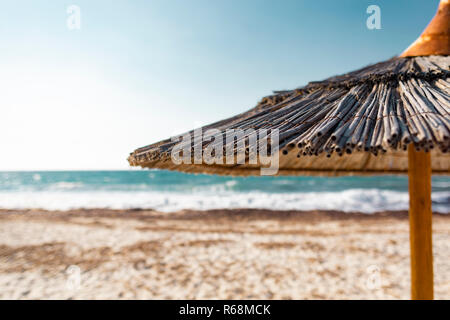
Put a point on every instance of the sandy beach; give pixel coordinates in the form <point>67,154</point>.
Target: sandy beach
<point>217,254</point>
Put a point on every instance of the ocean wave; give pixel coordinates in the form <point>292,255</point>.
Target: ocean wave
<point>441,184</point>
<point>63,185</point>
<point>363,200</point>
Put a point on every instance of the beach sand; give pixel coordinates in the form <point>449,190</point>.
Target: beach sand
<point>217,254</point>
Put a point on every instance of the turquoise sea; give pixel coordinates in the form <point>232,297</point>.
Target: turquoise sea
<point>171,191</point>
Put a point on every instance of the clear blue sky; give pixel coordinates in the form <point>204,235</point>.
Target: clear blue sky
<point>140,71</point>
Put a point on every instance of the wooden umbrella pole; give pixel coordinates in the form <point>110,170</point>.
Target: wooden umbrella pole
<point>420,216</point>
<point>435,40</point>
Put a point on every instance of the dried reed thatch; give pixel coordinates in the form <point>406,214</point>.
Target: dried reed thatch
<point>364,119</point>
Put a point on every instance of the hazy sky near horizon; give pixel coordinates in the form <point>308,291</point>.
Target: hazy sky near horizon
<point>140,71</point>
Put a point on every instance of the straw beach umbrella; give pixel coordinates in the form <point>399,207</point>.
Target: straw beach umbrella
<point>388,118</point>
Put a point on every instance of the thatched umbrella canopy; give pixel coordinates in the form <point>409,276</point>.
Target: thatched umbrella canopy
<point>357,123</point>
<point>390,117</point>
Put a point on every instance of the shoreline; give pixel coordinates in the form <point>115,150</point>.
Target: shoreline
<point>144,213</point>
<point>213,254</point>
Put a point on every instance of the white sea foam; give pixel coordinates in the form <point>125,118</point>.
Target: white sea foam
<point>363,200</point>
<point>441,184</point>
<point>63,185</point>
